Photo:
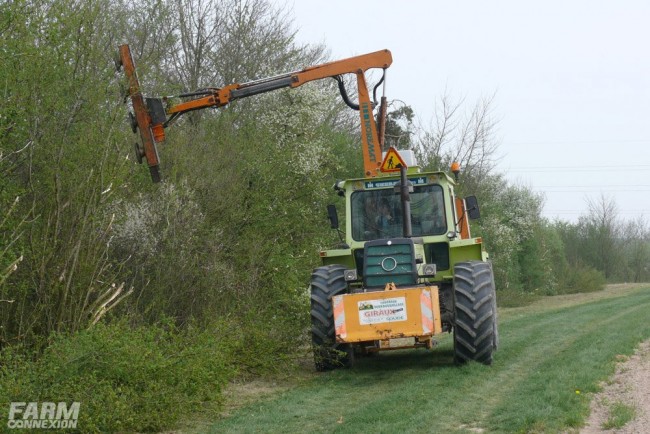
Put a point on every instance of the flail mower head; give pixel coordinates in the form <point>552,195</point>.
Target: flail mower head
<point>147,116</point>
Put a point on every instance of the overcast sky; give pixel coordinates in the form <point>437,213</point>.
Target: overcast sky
<point>572,82</point>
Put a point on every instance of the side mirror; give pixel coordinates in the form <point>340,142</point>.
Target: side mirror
<point>473,211</point>
<point>333,216</point>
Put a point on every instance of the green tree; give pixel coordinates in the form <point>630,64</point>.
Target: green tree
<point>511,215</point>
<point>600,236</point>
<point>61,158</point>
<point>542,260</point>
<point>636,245</point>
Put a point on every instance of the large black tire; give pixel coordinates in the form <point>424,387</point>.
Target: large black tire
<point>326,282</point>
<point>476,335</point>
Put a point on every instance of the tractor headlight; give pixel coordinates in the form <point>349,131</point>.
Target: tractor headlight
<point>429,269</point>
<point>350,275</point>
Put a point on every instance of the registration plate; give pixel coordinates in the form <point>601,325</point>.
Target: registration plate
<point>397,343</point>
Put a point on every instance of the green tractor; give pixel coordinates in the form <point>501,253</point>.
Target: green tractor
<point>407,270</point>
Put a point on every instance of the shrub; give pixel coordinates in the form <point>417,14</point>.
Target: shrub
<point>582,279</point>
<point>515,297</point>
<point>126,379</point>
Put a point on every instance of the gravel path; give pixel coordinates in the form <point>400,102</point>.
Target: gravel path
<point>629,386</point>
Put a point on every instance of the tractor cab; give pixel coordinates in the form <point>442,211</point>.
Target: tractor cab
<point>375,210</point>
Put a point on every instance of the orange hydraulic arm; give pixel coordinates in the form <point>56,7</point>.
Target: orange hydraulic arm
<point>151,117</point>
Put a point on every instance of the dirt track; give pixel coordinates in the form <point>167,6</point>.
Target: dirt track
<point>629,386</point>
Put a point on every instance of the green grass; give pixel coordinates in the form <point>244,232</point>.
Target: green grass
<point>550,363</point>
<point>619,415</point>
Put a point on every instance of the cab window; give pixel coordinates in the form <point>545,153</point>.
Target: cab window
<point>378,213</point>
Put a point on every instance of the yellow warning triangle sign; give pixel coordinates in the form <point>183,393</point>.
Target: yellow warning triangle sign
<point>392,161</point>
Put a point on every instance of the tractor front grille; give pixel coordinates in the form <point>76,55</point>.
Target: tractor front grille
<point>387,261</point>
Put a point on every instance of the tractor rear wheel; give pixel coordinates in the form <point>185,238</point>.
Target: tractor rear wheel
<point>326,282</point>
<point>475,326</point>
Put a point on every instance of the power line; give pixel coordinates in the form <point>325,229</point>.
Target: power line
<point>593,186</point>
<point>576,142</point>
<point>627,212</point>
<point>595,190</point>
<point>541,169</point>
<point>584,166</point>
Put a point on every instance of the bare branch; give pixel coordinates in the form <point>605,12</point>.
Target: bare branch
<point>27,145</point>
<point>467,137</point>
